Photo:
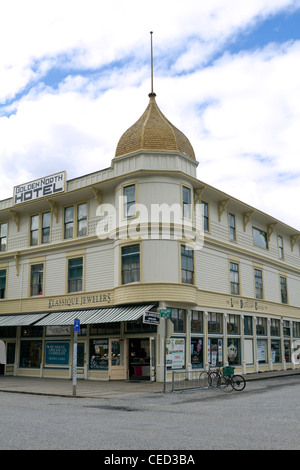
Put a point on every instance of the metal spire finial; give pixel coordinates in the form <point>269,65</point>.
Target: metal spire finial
<point>152,92</point>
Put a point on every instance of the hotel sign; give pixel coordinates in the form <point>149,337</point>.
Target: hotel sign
<point>42,187</point>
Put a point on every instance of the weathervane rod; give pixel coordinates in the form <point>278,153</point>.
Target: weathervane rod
<point>151,32</point>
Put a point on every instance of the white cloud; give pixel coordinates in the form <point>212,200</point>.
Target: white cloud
<point>241,113</point>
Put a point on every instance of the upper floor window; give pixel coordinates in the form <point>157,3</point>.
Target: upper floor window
<point>280,246</point>
<point>129,200</point>
<point>40,233</point>
<point>232,227</point>
<point>186,202</point>
<point>2,283</point>
<point>34,230</point>
<point>36,279</point>
<point>283,289</point>
<point>3,237</point>
<point>187,265</point>
<point>258,283</point>
<point>75,221</point>
<point>205,217</point>
<point>234,278</point>
<point>260,238</point>
<point>130,260</point>
<point>75,274</point>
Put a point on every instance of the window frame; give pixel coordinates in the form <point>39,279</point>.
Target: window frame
<point>75,221</point>
<point>186,205</point>
<point>256,240</point>
<point>31,278</point>
<point>69,280</point>
<point>232,228</point>
<point>260,287</point>
<point>283,295</point>
<point>205,216</point>
<point>184,270</point>
<point>126,205</point>
<point>3,289</point>
<point>123,258</point>
<point>3,236</point>
<point>232,281</point>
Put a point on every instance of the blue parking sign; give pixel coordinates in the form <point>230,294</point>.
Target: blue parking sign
<point>76,324</point>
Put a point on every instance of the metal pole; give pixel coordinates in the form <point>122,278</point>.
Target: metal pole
<point>165,355</point>
<point>75,363</point>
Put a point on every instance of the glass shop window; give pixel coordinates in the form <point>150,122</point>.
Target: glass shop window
<point>31,354</point>
<point>215,322</point>
<point>98,354</point>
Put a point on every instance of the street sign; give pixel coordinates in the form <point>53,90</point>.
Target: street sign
<point>76,324</point>
<point>152,318</point>
<point>166,312</point>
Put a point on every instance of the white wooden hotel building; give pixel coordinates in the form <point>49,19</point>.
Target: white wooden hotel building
<point>80,249</point>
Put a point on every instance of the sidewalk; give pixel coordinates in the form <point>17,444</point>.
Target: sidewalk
<point>99,389</point>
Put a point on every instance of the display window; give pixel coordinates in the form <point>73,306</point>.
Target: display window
<point>197,348</point>
<point>98,354</point>
<point>275,350</point>
<point>234,351</point>
<point>262,351</point>
<point>215,351</point>
<point>31,354</point>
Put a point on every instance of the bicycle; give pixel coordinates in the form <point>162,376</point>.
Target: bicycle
<point>225,379</point>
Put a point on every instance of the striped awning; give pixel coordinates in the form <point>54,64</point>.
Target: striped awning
<point>99,315</point>
<point>25,319</point>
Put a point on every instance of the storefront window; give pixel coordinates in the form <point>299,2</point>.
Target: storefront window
<point>286,328</point>
<point>275,327</point>
<point>178,318</point>
<point>31,353</point>
<point>248,325</point>
<point>10,353</point>
<point>261,326</point>
<point>197,352</point>
<point>287,350</point>
<point>196,322</point>
<point>137,326</point>
<point>275,350</point>
<point>234,351</point>
<point>214,322</point>
<point>99,354</point>
<point>175,357</point>
<point>215,351</point>
<point>32,331</point>
<point>296,329</point>
<point>233,324</point>
<point>105,328</point>
<point>262,351</point>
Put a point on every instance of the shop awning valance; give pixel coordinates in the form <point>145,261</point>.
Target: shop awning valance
<point>25,319</point>
<point>99,315</point>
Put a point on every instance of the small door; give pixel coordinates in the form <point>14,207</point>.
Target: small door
<point>117,362</point>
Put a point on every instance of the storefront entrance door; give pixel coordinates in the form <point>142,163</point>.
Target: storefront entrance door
<point>117,362</point>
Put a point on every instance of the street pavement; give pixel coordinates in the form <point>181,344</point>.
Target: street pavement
<point>102,389</point>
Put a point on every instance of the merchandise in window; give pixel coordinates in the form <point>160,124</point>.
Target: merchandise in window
<point>215,351</point>
<point>31,354</point>
<point>234,351</point>
<point>233,324</point>
<point>197,352</point>
<point>262,351</point>
<point>275,350</point>
<point>98,354</point>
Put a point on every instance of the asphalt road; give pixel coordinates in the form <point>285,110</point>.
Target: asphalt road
<point>266,415</point>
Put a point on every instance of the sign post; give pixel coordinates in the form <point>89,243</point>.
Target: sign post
<point>165,313</point>
<point>76,329</point>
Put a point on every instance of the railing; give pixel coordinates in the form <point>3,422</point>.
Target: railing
<point>185,380</point>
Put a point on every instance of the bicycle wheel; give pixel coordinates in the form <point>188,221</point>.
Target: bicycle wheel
<point>238,382</point>
<point>204,380</point>
<point>213,379</point>
<point>225,383</point>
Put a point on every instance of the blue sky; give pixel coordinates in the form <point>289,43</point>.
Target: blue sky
<point>75,75</point>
